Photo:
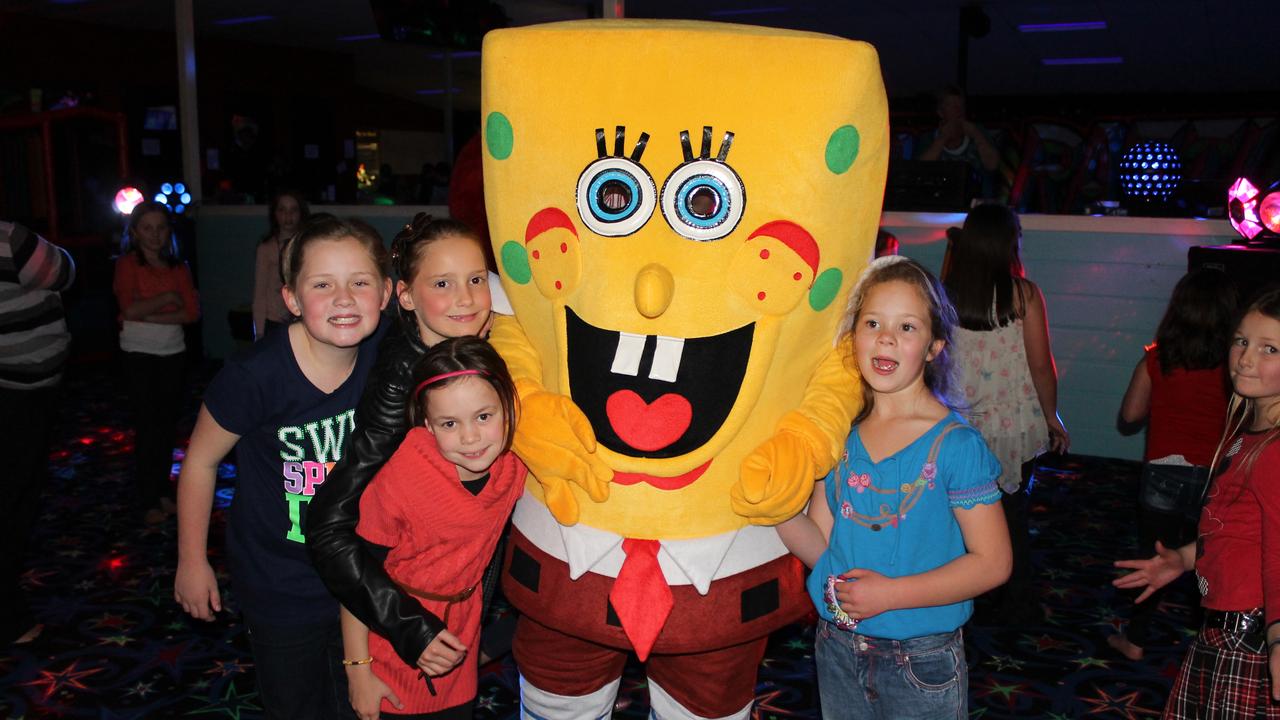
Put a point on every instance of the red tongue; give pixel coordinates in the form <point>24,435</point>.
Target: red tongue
<point>648,426</point>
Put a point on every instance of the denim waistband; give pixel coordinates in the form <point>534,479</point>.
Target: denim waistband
<point>885,646</point>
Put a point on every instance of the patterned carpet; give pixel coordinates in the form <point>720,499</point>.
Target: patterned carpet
<point>116,645</point>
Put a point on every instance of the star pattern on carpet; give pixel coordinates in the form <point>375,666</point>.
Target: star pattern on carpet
<point>111,620</point>
<point>1004,662</point>
<point>170,658</point>
<point>223,668</point>
<point>121,620</point>
<point>141,689</point>
<point>34,578</point>
<point>1125,704</point>
<point>991,687</point>
<point>766,706</point>
<point>70,677</point>
<point>231,704</point>
<point>1045,642</point>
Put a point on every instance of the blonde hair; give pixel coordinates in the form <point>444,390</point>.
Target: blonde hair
<point>938,372</point>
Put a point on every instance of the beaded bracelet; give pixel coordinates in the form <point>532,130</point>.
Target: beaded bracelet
<point>365,661</point>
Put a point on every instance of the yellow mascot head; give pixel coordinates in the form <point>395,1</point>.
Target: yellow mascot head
<point>678,210</point>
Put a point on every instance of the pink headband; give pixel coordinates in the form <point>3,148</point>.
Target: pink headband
<point>445,376</point>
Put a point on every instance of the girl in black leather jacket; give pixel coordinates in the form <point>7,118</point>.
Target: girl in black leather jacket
<point>443,291</point>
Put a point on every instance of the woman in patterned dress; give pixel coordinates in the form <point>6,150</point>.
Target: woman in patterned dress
<point>1006,371</point>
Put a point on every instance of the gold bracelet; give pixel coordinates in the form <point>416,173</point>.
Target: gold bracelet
<point>366,661</point>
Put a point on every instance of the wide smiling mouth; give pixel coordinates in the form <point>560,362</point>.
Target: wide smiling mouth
<point>345,320</point>
<point>653,396</point>
<point>884,365</point>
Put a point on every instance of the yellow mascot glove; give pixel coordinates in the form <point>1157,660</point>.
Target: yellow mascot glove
<point>556,442</point>
<point>776,479</point>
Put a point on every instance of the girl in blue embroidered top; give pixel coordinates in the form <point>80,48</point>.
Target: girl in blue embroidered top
<point>908,527</point>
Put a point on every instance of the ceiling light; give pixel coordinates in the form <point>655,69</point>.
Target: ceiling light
<point>1063,26</point>
<point>1083,61</point>
<point>244,20</point>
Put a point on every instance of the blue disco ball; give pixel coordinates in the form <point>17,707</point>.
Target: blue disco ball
<point>1150,171</point>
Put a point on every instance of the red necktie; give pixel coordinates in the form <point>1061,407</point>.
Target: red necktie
<point>640,595</point>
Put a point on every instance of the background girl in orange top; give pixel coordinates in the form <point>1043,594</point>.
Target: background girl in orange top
<point>156,297</point>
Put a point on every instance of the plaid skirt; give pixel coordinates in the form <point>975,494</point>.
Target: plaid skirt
<point>1222,676</point>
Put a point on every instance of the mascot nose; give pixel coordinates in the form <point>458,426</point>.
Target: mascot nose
<point>654,288</point>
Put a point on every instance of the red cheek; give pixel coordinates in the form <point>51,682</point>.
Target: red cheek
<point>564,247</point>
<point>797,276</point>
<point>760,295</point>
<point>764,254</point>
<point>536,254</point>
<point>559,286</point>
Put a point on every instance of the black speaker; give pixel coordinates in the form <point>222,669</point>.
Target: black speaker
<point>929,186</point>
<point>1252,269</point>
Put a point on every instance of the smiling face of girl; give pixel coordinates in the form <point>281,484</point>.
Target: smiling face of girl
<point>893,340</point>
<point>449,294</point>
<point>338,292</point>
<point>467,420</point>
<point>1254,364</point>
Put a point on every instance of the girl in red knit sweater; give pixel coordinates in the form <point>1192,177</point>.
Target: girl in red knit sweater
<point>439,506</point>
<point>1232,669</point>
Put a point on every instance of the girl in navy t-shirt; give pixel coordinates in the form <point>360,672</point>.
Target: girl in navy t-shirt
<point>287,406</point>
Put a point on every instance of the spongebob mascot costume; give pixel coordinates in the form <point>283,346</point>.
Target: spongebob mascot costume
<point>678,210</point>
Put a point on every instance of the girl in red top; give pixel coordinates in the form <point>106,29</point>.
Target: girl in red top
<point>1232,669</point>
<point>439,505</point>
<point>156,297</point>
<point>1179,390</point>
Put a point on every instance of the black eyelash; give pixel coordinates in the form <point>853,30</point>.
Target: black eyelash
<point>705,153</point>
<point>724,146</point>
<point>619,144</point>
<point>684,144</point>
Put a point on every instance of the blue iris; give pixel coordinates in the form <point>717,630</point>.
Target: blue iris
<point>621,186</point>
<point>701,184</point>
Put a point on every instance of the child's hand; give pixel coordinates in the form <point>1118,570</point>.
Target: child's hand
<point>196,589</point>
<point>1154,573</point>
<point>1059,438</point>
<point>1274,654</point>
<point>366,690</point>
<point>442,654</point>
<point>556,441</point>
<point>868,594</point>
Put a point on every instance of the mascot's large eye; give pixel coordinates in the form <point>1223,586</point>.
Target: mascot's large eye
<point>703,199</point>
<point>616,195</point>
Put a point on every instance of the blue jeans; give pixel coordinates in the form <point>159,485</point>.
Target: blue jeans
<point>866,677</point>
<point>299,670</point>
